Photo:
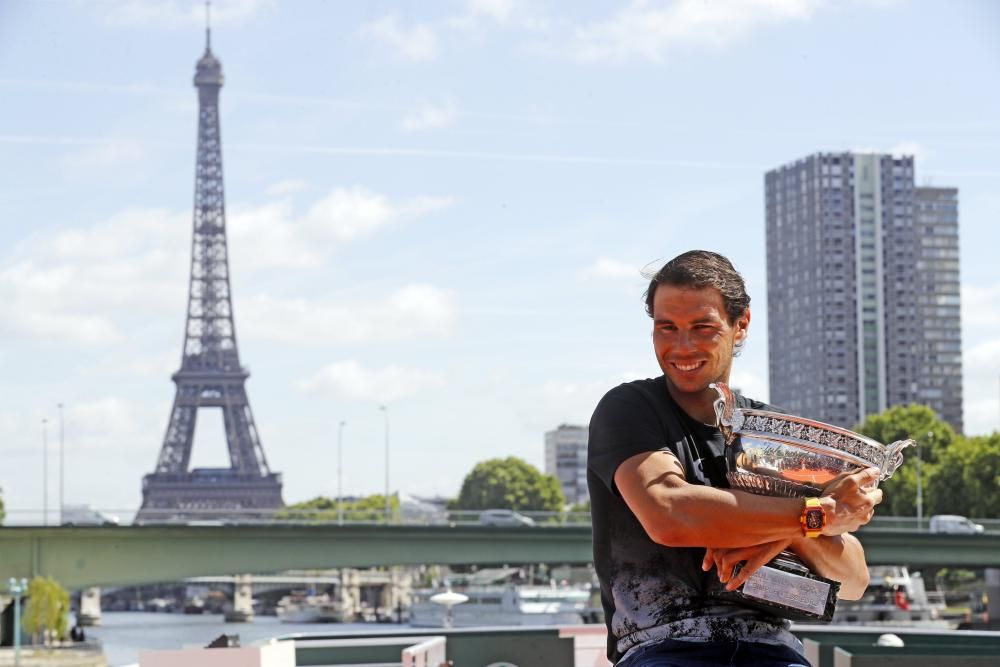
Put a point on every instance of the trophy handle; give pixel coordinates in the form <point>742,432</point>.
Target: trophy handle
<point>894,457</point>
<point>724,405</point>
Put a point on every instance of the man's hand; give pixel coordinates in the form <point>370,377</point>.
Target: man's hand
<point>725,560</point>
<point>850,501</point>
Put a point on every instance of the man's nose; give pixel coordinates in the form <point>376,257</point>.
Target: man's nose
<point>684,340</point>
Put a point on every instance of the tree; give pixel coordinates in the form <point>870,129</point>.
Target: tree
<point>322,509</point>
<point>967,477</point>
<point>2,514</point>
<point>900,423</point>
<point>509,483</point>
<point>46,613</point>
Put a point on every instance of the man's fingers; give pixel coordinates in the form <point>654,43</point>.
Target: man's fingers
<point>709,560</point>
<point>749,567</point>
<point>869,478</point>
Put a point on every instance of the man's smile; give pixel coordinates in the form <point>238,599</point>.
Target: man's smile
<point>687,366</point>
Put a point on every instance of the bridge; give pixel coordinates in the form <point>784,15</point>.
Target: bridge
<point>81,557</point>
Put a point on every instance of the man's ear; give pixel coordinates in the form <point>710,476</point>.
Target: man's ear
<point>743,326</point>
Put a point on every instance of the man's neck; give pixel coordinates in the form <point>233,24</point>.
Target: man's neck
<point>700,406</point>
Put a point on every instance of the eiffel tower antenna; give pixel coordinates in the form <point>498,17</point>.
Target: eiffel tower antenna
<point>208,26</point>
<point>211,378</point>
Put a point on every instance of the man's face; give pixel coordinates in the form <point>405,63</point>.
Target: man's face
<point>692,337</point>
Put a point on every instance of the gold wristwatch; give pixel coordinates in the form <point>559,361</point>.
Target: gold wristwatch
<point>813,518</point>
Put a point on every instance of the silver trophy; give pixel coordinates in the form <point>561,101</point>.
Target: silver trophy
<point>773,454</point>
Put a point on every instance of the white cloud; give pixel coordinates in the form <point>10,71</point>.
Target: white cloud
<point>981,368</point>
<point>416,43</point>
<point>647,29</point>
<point>431,116</point>
<point>178,13</point>
<point>981,308</point>
<point>82,284</point>
<point>286,187</point>
<point>347,214</point>
<point>272,236</point>
<point>350,380</point>
<point>606,267</point>
<point>411,311</point>
<point>69,284</point>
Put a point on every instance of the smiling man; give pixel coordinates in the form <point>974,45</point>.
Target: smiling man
<point>667,529</point>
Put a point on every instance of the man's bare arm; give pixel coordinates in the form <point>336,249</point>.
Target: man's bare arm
<point>675,513</point>
<point>838,557</point>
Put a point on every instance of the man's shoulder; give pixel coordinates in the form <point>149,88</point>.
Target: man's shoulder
<point>649,389</point>
<point>746,402</point>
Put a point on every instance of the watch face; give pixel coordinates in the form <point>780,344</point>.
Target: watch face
<point>814,519</point>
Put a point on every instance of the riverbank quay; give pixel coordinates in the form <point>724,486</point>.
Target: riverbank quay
<point>36,656</point>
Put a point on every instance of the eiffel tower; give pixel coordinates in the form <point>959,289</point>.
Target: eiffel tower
<point>210,375</point>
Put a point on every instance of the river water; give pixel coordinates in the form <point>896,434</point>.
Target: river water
<point>124,634</point>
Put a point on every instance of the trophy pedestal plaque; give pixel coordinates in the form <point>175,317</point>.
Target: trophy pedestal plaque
<point>785,586</point>
<point>774,454</point>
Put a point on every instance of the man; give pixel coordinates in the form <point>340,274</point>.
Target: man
<point>667,529</point>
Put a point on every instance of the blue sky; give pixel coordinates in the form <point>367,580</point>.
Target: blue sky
<point>440,207</point>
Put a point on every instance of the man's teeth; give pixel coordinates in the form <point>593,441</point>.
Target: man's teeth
<point>687,367</point>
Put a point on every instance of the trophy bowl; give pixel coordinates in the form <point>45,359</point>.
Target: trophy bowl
<point>774,454</point>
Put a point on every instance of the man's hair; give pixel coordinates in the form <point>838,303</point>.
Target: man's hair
<point>697,269</point>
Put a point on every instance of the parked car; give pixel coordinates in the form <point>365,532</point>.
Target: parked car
<point>952,523</point>
<point>84,515</point>
<point>504,518</point>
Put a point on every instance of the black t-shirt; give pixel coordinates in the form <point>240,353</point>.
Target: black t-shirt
<point>650,591</point>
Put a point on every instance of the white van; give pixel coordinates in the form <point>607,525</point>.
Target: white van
<point>84,515</point>
<point>952,523</point>
<point>504,518</point>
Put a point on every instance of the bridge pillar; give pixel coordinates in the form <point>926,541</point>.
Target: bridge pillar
<point>992,577</point>
<point>396,592</point>
<point>89,613</point>
<point>350,593</point>
<point>242,611</point>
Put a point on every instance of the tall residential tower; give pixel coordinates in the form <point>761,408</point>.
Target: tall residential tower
<point>863,289</point>
<point>566,459</point>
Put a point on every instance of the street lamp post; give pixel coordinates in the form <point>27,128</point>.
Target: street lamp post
<point>340,473</point>
<point>17,589</point>
<point>385,413</point>
<point>920,482</point>
<point>62,461</point>
<point>45,472</point>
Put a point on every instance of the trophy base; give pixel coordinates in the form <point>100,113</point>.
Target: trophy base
<point>785,587</point>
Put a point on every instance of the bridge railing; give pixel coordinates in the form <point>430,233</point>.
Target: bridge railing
<point>215,517</point>
<point>327,516</point>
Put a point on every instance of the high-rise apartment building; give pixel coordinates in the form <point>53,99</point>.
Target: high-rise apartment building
<point>863,289</point>
<point>566,459</point>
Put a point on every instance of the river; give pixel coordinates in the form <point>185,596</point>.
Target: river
<point>124,634</point>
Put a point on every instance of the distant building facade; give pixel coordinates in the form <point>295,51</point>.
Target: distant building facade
<point>566,459</point>
<point>863,289</point>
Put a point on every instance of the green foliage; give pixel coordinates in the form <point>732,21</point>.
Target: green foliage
<point>2,513</point>
<point>966,480</point>
<point>322,509</point>
<point>913,421</point>
<point>46,613</point>
<point>960,475</point>
<point>509,483</point>
<point>578,513</point>
<point>901,423</point>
